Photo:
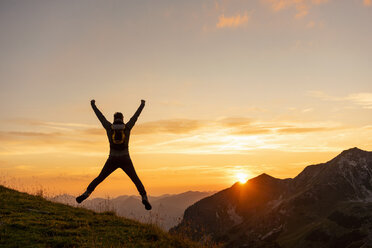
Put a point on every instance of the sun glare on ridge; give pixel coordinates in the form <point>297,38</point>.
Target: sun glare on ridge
<point>241,177</point>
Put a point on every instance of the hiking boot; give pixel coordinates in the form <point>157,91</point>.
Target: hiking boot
<point>84,196</point>
<point>146,202</point>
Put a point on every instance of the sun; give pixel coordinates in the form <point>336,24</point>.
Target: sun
<point>241,177</point>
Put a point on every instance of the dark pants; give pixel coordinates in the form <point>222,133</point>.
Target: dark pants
<point>112,163</point>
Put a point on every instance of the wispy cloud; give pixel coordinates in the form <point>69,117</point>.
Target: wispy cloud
<point>29,134</point>
<point>302,6</point>
<point>363,99</point>
<point>244,126</point>
<point>315,24</point>
<point>297,130</point>
<point>41,142</point>
<point>232,21</point>
<point>226,135</point>
<point>311,24</point>
<point>324,96</point>
<point>231,170</point>
<point>48,124</point>
<point>174,126</point>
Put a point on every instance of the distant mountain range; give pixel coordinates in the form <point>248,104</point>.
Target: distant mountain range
<point>326,205</point>
<point>167,209</point>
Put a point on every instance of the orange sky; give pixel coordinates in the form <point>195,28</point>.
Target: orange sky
<point>231,87</point>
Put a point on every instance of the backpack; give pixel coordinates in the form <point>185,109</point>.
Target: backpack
<point>118,135</point>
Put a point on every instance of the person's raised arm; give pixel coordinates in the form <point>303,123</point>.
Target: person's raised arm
<point>105,123</point>
<point>134,118</point>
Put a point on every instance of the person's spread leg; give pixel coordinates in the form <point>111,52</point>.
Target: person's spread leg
<point>107,169</point>
<point>128,168</point>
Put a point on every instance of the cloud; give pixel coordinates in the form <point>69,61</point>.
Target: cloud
<point>188,136</point>
<point>298,130</point>
<point>367,2</point>
<point>29,134</point>
<point>302,6</point>
<point>235,121</point>
<point>368,127</point>
<point>231,170</point>
<point>226,126</point>
<point>314,24</point>
<point>232,21</point>
<point>363,99</point>
<point>311,24</point>
<point>41,142</point>
<point>279,128</point>
<point>173,126</point>
<point>324,96</point>
<point>26,136</point>
<point>48,124</point>
<point>94,131</point>
<point>241,126</point>
<point>249,130</point>
<point>247,127</point>
<point>232,126</point>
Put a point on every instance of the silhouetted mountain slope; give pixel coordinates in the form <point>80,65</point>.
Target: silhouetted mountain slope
<point>31,221</point>
<point>326,205</point>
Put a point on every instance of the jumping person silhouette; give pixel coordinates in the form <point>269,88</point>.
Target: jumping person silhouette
<point>118,135</point>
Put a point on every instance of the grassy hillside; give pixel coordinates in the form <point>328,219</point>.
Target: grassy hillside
<point>31,221</point>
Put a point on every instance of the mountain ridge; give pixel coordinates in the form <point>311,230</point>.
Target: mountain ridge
<point>271,212</point>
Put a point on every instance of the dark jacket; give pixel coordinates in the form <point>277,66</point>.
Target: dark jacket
<point>128,127</point>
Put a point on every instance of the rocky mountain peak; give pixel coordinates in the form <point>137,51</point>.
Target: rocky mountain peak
<point>263,179</point>
<point>352,154</point>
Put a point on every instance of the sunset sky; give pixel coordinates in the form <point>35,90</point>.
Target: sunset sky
<point>231,88</point>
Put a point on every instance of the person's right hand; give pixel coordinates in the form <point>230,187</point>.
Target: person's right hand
<point>93,102</point>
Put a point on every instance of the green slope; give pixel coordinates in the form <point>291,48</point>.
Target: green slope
<point>31,221</point>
